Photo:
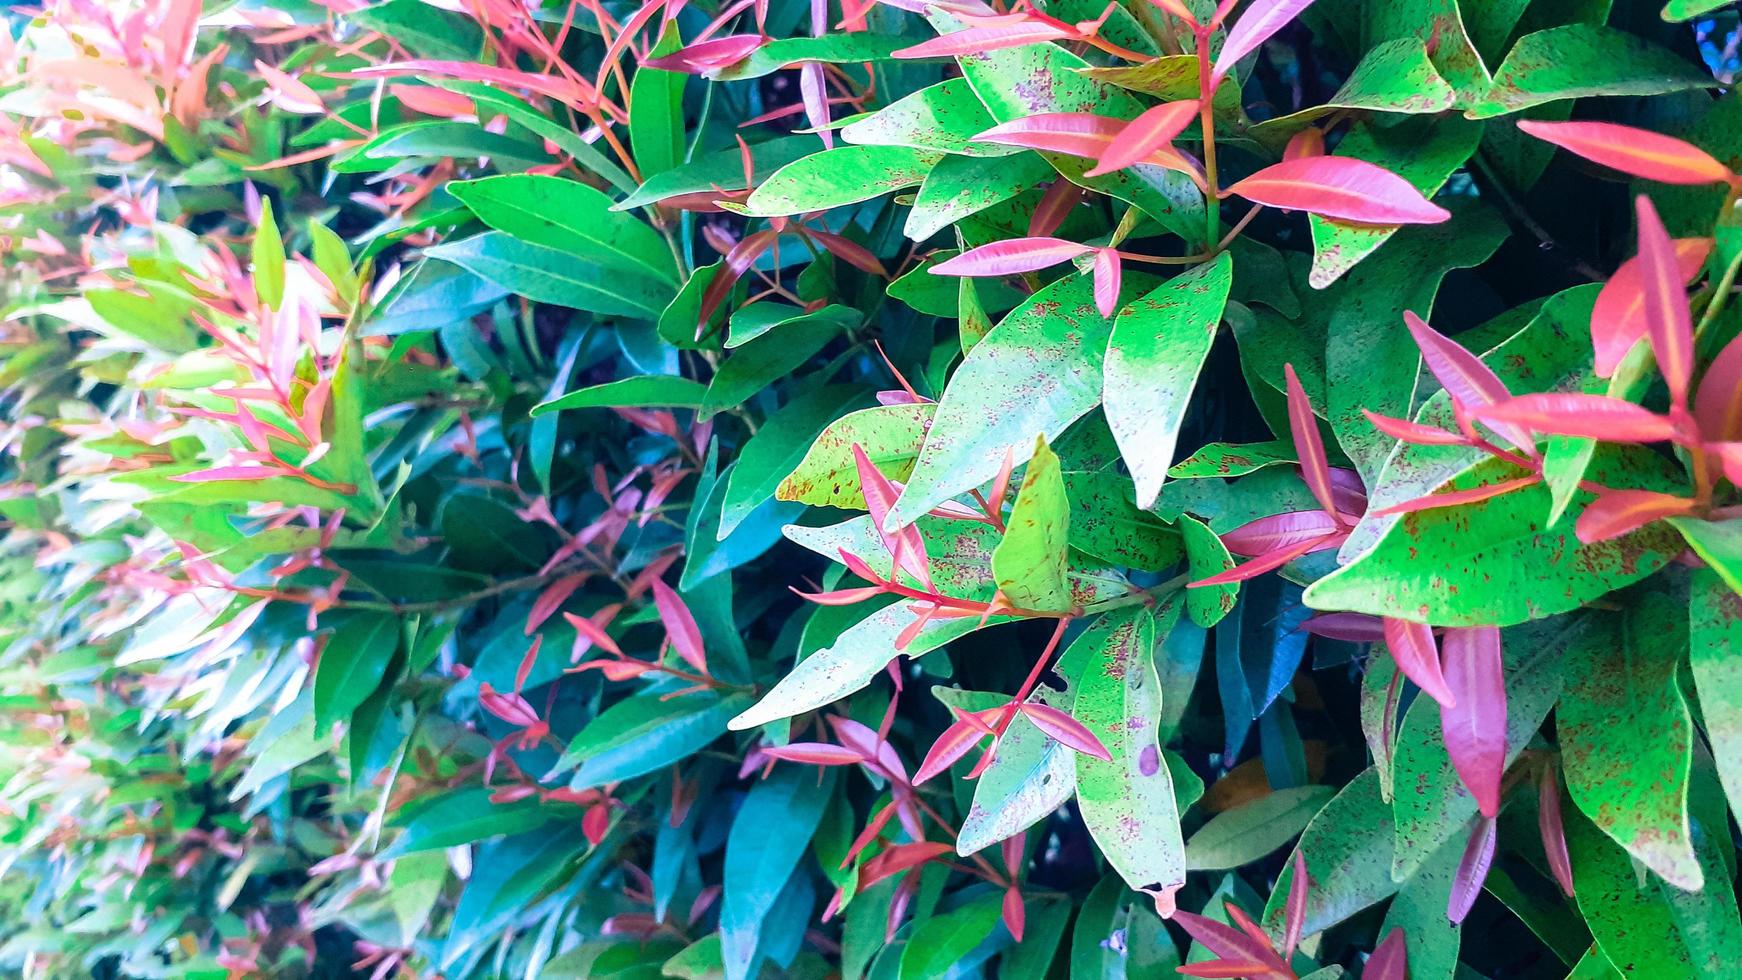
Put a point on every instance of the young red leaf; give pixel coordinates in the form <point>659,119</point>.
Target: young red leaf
<point>899,858</point>
<point>977,40</point>
<point>1079,134</point>
<point>1225,969</point>
<point>1472,869</point>
<point>1261,20</point>
<point>1406,431</point>
<point>1618,317</point>
<point>1107,275</point>
<point>1474,727</point>
<point>1434,501</point>
<point>1149,133</point>
<point>709,55</point>
<point>1637,152</point>
<point>1229,943</point>
<point>1718,403</point>
<point>1309,142</point>
<point>1617,512</point>
<point>840,597</point>
<point>1390,959</point>
<point>590,632</point>
<point>1668,322</point>
<point>1054,207</point>
<point>815,754</point>
<point>1009,257</point>
<point>552,598</point>
<point>1554,833</point>
<point>1588,416</point>
<point>1014,915</point>
<point>1285,530</point>
<point>1342,189</point>
<point>686,637</point>
<point>1466,379</point>
<point>1271,561</point>
<point>1349,627</point>
<point>956,741</point>
<point>1066,730</point>
<point>1295,909</point>
<point>849,251</point>
<point>906,547</point>
<point>1314,466</point>
<point>1412,647</point>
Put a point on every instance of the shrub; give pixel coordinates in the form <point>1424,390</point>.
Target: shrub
<point>897,491</point>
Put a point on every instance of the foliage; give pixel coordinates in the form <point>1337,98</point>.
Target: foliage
<point>870,490</point>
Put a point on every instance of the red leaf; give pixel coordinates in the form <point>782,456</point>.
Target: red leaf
<point>1406,431</point>
<point>1412,647</point>
<point>1718,404</point>
<point>1228,943</point>
<point>1475,726</point>
<point>1216,969</point>
<point>1295,909</point>
<point>1554,834</point>
<point>1472,869</point>
<point>1618,317</point>
<point>1015,916</point>
<point>1146,135</point>
<point>1267,534</point>
<point>1617,512</point>
<point>840,597</point>
<point>708,55</point>
<point>1054,207</point>
<point>686,637</point>
<point>1590,416</point>
<point>1340,188</point>
<point>1434,501</point>
<point>1309,142</point>
<point>1066,730</point>
<point>1638,152</point>
<point>849,251</point>
<point>815,754</point>
<point>738,260</point>
<point>1080,134</point>
<point>1390,959</point>
<point>1668,322</point>
<point>590,633</point>
<point>552,598</point>
<point>1314,467</point>
<point>977,40</point>
<point>1107,275</point>
<point>1466,379</point>
<point>1274,560</point>
<point>906,547</point>
<point>1261,20</point>
<point>900,858</point>
<point>1009,257</point>
<point>957,740</point>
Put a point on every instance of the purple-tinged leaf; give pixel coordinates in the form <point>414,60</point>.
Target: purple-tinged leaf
<point>1010,257</point>
<point>1260,21</point>
<point>1474,726</point>
<point>1472,869</point>
<point>1418,656</point>
<point>1553,829</point>
<point>1390,959</point>
<point>1315,469</point>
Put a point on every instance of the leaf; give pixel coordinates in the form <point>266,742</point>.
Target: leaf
<point>889,435</point>
<point>1626,740</point>
<point>462,816</point>
<point>1580,60</point>
<point>1147,135</point>
<point>1474,725</point>
<point>1106,524</point>
<point>1348,842</point>
<point>1492,561</point>
<point>266,259</point>
<point>1637,152</point>
<point>1718,543</point>
<point>1342,188</point>
<point>1128,801</point>
<point>960,186</point>
<point>759,362</point>
<point>425,31</point>
<point>546,275</point>
<point>352,665</point>
<point>568,216</point>
<point>1157,348</point>
<point>841,176</point>
<point>1251,831</point>
<point>1010,257</point>
<point>656,118</point>
<point>637,736</point>
<point>1393,76</point>
<point>491,100</point>
<point>1031,776</point>
<point>831,49</point>
<point>1038,371</point>
<point>1628,918</point>
<point>773,456</point>
<point>1714,633</point>
<point>1416,922</point>
<point>943,941</point>
<point>1206,556</point>
<point>1029,564</point>
<point>645,391</point>
<point>1260,20</point>
<point>758,863</point>
<point>1668,322</point>
<point>944,117</point>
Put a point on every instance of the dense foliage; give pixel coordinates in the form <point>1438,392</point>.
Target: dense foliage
<point>896,490</point>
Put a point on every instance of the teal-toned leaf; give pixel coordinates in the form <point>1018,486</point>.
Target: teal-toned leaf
<point>641,735</point>
<point>719,170</point>
<point>776,449</point>
<point>773,355</point>
<point>758,863</point>
<point>463,816</point>
<point>645,391</point>
<point>1253,830</point>
<point>1349,843</point>
<point>492,100</point>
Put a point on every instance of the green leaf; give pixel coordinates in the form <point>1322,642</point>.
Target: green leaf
<point>1038,371</point>
<point>720,170</point>
<point>428,32</point>
<point>840,176</point>
<point>1715,634</point>
<point>890,435</point>
<point>1628,916</point>
<point>492,100</point>
<point>640,735</point>
<point>1031,775</point>
<point>1157,348</point>
<point>267,258</point>
<point>1253,830</point>
<point>1106,524</point>
<point>759,861</point>
<point>644,391</point>
<point>769,455</point>
<point>944,117</point>
<point>1432,940</point>
<point>829,49</point>
<point>1439,25</point>
<point>1492,561</point>
<point>656,120</point>
<point>463,816</point>
<point>352,665</point>
<point>568,216</point>
<point>1222,460</point>
<point>1044,925</point>
<point>546,275</point>
<point>754,320</point>
<point>1625,736</point>
<point>1349,843</point>
<point>1581,60</point>
<point>1393,76</point>
<point>1128,803</point>
<point>1029,564</point>
<point>1718,543</point>
<point>960,186</point>
<point>940,942</point>
<point>773,355</point>
<point>1677,10</point>
<point>1207,556</point>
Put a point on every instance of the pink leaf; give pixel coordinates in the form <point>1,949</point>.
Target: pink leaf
<point>1261,20</point>
<point>1390,959</point>
<point>1340,188</point>
<point>815,754</point>
<point>1009,257</point>
<point>1617,512</point>
<point>571,92</point>
<point>1554,834</point>
<point>1014,915</point>
<point>552,598</point>
<point>686,637</point>
<point>812,88</point>
<point>1349,627</point>
<point>1267,534</point>
<point>906,547</point>
<point>1065,729</point>
<point>708,55</point>
<point>1618,317</point>
<point>1268,562</point>
<point>957,740</point>
<point>1144,136</point>
<point>1079,134</point>
<point>1055,206</point>
<point>1472,869</point>
<point>1718,404</point>
<point>1434,501</point>
<point>1407,431</point>
<point>1107,275</point>
<point>1314,468</point>
<point>1229,942</point>
<point>1589,416</point>
<point>840,597</point>
<point>232,473</point>
<point>1668,322</point>
<point>592,633</point>
<point>976,40</point>
<point>1412,647</point>
<point>1295,908</point>
<point>1638,152</point>
<point>1466,379</point>
<point>1474,727</point>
